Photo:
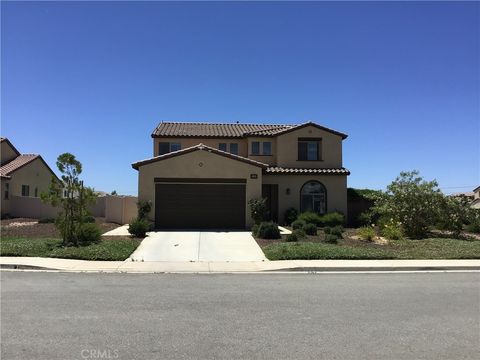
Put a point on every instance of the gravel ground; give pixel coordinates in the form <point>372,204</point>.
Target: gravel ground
<point>24,227</point>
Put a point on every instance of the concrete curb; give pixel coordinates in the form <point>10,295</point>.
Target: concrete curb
<point>68,265</point>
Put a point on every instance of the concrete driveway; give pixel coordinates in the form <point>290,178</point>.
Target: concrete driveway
<point>198,246</point>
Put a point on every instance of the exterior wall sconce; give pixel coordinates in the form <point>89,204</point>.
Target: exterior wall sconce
<point>287,191</point>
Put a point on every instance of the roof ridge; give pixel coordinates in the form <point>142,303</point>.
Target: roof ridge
<point>224,123</point>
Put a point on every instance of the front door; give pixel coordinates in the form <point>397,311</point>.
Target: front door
<point>270,192</point>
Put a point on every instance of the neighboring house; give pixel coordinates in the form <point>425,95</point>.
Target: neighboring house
<point>476,198</point>
<point>202,175</point>
<point>22,175</point>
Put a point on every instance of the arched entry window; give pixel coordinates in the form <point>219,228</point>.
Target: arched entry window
<point>313,197</point>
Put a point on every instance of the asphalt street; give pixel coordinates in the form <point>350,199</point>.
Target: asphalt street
<point>252,316</point>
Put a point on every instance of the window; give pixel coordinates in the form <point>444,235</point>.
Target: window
<point>222,146</point>
<point>166,147</point>
<point>36,192</point>
<point>309,149</point>
<point>255,148</point>
<point>7,191</point>
<point>175,146</point>
<point>25,190</point>
<point>313,197</point>
<point>234,148</point>
<point>267,148</point>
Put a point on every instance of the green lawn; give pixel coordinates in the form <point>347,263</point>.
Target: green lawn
<point>435,248</point>
<point>109,250</point>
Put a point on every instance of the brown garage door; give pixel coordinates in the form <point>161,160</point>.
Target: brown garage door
<point>200,206</point>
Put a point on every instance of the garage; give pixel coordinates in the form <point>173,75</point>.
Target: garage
<point>191,204</point>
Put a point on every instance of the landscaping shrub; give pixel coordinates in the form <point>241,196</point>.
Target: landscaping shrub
<point>89,219</point>
<point>412,201</point>
<point>310,218</point>
<point>474,227</point>
<point>255,229</point>
<point>331,238</point>
<point>366,233</point>
<point>258,209</point>
<point>337,231</point>
<point>46,220</point>
<point>144,208</point>
<point>391,230</point>
<point>332,219</point>
<point>293,237</point>
<point>139,227</point>
<point>298,224</point>
<point>290,216</point>
<point>310,229</point>
<point>268,230</point>
<point>89,233</point>
<point>300,234</point>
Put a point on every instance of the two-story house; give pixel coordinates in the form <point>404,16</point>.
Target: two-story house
<point>203,175</point>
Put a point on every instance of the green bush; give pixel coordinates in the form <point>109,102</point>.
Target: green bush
<point>89,219</point>
<point>268,230</point>
<point>366,233</point>
<point>293,237</point>
<point>46,220</point>
<point>89,233</point>
<point>331,238</point>
<point>336,230</point>
<point>255,230</point>
<point>298,224</point>
<point>139,227</point>
<point>300,234</point>
<point>391,230</point>
<point>144,208</point>
<point>474,227</point>
<point>332,219</point>
<point>290,216</point>
<point>258,209</point>
<point>310,218</point>
<point>310,229</point>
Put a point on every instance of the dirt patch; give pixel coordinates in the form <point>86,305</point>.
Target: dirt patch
<point>24,227</point>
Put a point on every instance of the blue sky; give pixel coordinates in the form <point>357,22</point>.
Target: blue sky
<point>95,78</point>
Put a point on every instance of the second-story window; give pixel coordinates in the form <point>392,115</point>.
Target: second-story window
<point>234,148</point>
<point>255,148</point>
<point>309,149</point>
<point>267,148</point>
<point>166,147</point>
<point>222,146</point>
<point>7,191</point>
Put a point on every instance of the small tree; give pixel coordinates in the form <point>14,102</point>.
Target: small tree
<point>114,192</point>
<point>454,213</point>
<point>73,198</point>
<point>258,209</point>
<point>411,201</point>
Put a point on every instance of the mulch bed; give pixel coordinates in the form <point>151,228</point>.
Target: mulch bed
<point>24,227</point>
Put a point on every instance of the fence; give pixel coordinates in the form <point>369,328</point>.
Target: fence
<point>117,209</point>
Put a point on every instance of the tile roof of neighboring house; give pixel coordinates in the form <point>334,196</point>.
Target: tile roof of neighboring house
<point>476,189</point>
<point>20,161</point>
<point>17,163</point>
<point>199,147</point>
<point>2,139</point>
<point>206,130</point>
<point>297,171</point>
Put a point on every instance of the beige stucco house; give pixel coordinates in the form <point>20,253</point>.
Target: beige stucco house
<point>476,198</point>
<point>202,175</point>
<point>21,175</point>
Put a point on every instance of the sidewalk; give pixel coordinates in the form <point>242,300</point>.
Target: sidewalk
<point>36,263</point>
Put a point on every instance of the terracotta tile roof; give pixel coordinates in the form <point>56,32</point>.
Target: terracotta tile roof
<point>199,147</point>
<point>188,129</point>
<point>17,163</point>
<point>295,171</point>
